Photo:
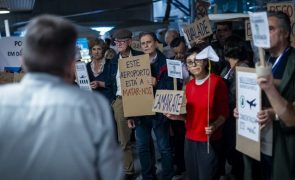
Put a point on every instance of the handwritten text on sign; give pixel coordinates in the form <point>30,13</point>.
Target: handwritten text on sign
<point>168,101</point>
<point>137,93</point>
<point>198,30</point>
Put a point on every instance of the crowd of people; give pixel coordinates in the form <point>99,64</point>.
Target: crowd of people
<point>49,129</point>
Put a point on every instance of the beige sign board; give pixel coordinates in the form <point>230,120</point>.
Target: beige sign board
<point>160,46</point>
<point>248,33</point>
<point>289,9</point>
<point>248,103</point>
<point>202,8</point>
<point>168,101</point>
<point>135,44</point>
<point>7,77</point>
<point>198,30</point>
<point>137,93</point>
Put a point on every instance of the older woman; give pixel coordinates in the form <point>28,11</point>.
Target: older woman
<point>199,163</point>
<point>98,67</point>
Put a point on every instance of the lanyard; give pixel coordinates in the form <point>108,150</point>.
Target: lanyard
<point>279,58</point>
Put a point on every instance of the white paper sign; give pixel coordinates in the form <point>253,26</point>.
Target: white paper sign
<point>174,68</point>
<point>10,52</point>
<point>260,29</point>
<point>249,104</point>
<point>82,76</point>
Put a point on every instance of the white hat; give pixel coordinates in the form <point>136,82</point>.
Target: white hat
<point>208,53</point>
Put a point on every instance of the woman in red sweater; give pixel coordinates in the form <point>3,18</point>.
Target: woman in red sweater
<point>202,164</point>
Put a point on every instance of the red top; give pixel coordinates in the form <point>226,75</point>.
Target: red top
<point>197,107</point>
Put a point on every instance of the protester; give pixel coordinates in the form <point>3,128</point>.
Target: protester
<point>281,100</point>
<point>49,128</point>
<point>180,50</point>
<point>280,54</point>
<point>158,123</point>
<point>223,31</point>
<point>169,36</point>
<point>110,53</point>
<point>237,55</point>
<point>201,164</point>
<point>123,42</point>
<point>97,68</point>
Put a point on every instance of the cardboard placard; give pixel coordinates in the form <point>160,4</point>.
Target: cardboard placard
<point>135,44</point>
<point>202,8</point>
<point>137,93</point>
<point>169,101</point>
<point>10,52</point>
<point>82,76</point>
<point>174,68</point>
<point>248,32</point>
<point>160,46</point>
<point>289,9</point>
<point>198,30</point>
<point>7,77</point>
<point>260,29</point>
<point>248,104</point>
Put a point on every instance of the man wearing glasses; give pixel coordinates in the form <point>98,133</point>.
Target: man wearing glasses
<point>123,41</point>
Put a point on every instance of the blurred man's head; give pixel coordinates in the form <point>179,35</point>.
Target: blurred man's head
<point>179,48</point>
<point>223,31</point>
<point>170,35</point>
<point>123,39</point>
<point>279,32</point>
<point>49,45</point>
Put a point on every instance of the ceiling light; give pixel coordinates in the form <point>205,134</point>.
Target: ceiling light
<point>4,10</point>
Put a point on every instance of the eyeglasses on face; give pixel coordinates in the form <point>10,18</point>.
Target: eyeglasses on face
<point>194,63</point>
<point>121,41</point>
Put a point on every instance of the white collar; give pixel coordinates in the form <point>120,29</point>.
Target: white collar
<point>201,81</point>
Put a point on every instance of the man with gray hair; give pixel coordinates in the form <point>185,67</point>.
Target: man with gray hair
<point>49,128</point>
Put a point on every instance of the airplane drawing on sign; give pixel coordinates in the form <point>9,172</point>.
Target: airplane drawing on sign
<point>82,76</point>
<point>252,103</point>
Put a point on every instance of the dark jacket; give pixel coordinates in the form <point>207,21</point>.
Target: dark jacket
<point>102,77</point>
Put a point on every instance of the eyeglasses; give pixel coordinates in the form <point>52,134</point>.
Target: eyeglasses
<point>121,41</point>
<point>194,63</point>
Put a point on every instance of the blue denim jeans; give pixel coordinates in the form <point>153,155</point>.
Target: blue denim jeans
<point>143,130</point>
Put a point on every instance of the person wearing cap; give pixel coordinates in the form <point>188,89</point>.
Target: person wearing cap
<point>123,43</point>
<point>49,128</point>
<point>97,68</point>
<point>202,162</point>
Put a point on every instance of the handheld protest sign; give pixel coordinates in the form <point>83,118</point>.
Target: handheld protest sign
<point>168,101</point>
<point>248,33</point>
<point>82,43</point>
<point>202,8</point>
<point>197,30</point>
<point>248,103</point>
<point>135,44</point>
<point>289,9</point>
<point>260,33</point>
<point>7,77</point>
<point>260,29</point>
<point>174,70</point>
<point>82,76</point>
<point>137,93</point>
<point>10,52</point>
